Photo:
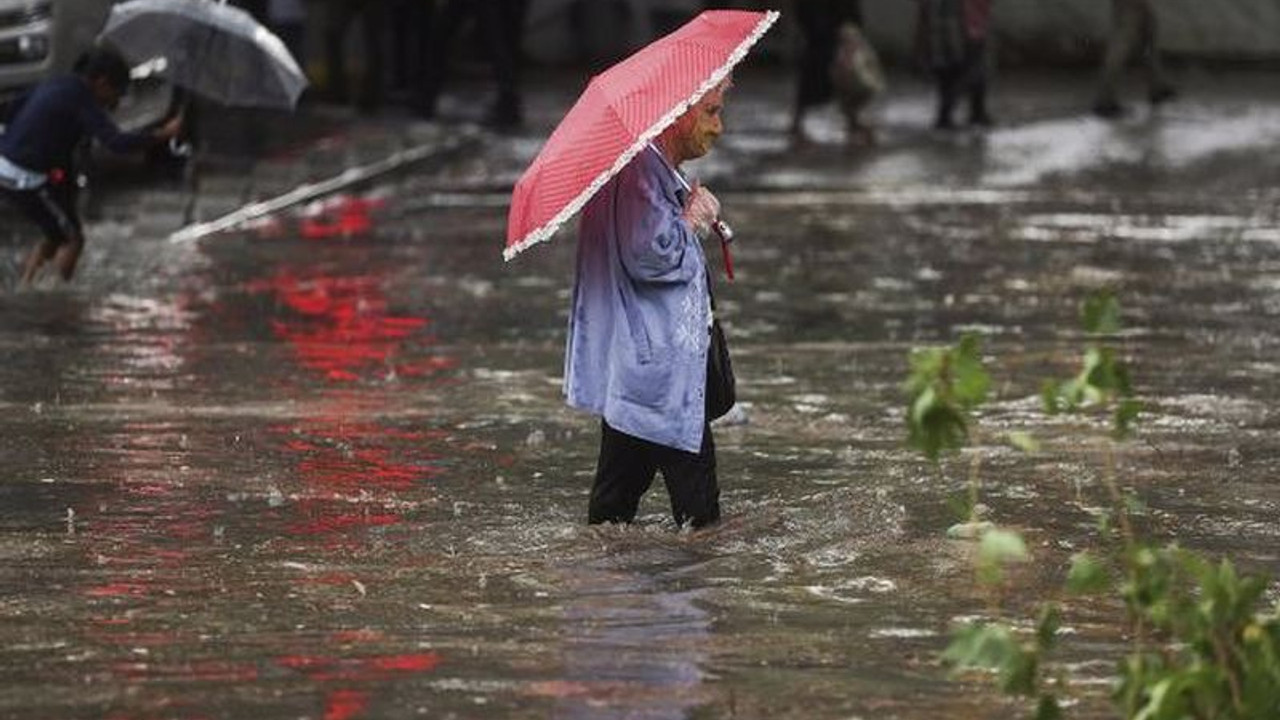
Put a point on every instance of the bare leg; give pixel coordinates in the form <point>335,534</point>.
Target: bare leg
<point>36,259</point>
<point>67,256</point>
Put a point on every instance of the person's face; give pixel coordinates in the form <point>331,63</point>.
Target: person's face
<point>698,129</point>
<point>106,94</point>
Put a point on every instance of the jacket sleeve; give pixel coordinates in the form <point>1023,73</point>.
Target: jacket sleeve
<point>98,124</point>
<point>654,242</point>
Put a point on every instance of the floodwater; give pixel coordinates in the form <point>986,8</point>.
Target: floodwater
<point>321,468</point>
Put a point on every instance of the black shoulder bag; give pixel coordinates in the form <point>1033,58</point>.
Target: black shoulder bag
<point>721,385</point>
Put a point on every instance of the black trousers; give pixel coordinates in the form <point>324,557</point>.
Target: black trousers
<point>819,22</point>
<point>626,468</point>
<point>968,76</point>
<point>341,17</point>
<point>501,27</point>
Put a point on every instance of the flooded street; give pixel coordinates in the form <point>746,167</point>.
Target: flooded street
<point>321,468</point>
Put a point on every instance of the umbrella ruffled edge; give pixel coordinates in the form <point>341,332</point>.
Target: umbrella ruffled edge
<point>549,229</point>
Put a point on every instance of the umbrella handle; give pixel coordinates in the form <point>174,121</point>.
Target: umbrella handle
<point>723,230</point>
<point>726,236</point>
<point>728,260</point>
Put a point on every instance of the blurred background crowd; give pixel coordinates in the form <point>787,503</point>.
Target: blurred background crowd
<point>375,53</point>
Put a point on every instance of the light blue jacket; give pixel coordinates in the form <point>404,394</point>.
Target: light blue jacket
<point>637,347</point>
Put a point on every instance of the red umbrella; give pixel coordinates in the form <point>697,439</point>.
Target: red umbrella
<point>620,112</point>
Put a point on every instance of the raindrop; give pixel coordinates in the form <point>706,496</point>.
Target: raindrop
<point>275,498</point>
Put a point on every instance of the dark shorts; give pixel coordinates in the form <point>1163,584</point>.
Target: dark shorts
<point>52,207</point>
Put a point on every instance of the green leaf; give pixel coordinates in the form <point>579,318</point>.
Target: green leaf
<point>1002,546</point>
<point>993,647</point>
<point>1100,313</point>
<point>960,503</point>
<point>1018,676</point>
<point>1051,397</point>
<point>971,380</point>
<point>997,549</point>
<point>1126,413</point>
<point>1087,576</point>
<point>924,403</point>
<point>1047,627</point>
<point>944,385</point>
<point>984,647</point>
<point>936,428</point>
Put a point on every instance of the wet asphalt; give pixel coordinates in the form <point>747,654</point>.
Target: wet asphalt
<point>319,467</point>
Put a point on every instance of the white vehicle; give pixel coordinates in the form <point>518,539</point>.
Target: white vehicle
<point>39,38</point>
<point>42,38</point>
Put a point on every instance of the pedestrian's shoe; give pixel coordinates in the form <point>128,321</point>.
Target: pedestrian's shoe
<point>1108,109</point>
<point>1162,94</point>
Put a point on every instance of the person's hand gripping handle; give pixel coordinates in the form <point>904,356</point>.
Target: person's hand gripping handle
<point>702,212</point>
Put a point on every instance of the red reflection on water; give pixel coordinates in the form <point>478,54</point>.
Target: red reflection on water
<point>341,327</point>
<point>345,704</point>
<point>120,589</point>
<point>341,216</point>
<point>151,525</point>
<point>354,471</point>
<point>324,668</point>
<point>158,545</point>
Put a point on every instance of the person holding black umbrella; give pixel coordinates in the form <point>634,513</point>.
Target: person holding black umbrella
<point>37,172</point>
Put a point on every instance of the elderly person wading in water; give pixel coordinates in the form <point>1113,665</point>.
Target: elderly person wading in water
<point>638,328</point>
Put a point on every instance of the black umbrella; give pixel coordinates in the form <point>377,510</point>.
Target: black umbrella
<point>212,49</point>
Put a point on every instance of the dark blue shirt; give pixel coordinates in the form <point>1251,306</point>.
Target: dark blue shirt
<point>53,119</point>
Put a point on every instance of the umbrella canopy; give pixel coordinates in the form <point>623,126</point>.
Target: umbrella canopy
<point>214,50</point>
<point>622,109</point>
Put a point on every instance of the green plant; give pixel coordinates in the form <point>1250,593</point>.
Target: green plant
<point>1202,650</point>
<point>1103,380</point>
<point>945,385</point>
<point>1017,662</point>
